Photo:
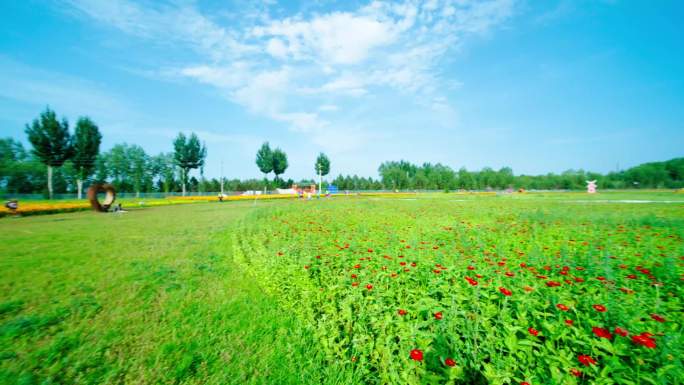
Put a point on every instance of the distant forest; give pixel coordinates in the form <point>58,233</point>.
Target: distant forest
<point>130,169</point>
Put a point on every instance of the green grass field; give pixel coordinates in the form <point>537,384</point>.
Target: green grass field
<point>232,293</point>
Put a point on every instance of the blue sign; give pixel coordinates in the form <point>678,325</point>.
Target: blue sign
<point>332,189</point>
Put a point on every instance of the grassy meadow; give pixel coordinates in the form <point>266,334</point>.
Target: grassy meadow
<point>418,289</point>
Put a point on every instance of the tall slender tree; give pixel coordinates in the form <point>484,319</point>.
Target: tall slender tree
<point>188,154</point>
<point>279,162</point>
<point>87,139</point>
<point>264,160</point>
<point>51,142</point>
<point>322,169</point>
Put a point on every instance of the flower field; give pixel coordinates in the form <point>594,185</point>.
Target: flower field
<point>479,291</point>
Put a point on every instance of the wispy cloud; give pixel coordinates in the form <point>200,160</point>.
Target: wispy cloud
<point>281,67</point>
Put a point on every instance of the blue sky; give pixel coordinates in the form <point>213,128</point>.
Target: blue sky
<point>535,85</point>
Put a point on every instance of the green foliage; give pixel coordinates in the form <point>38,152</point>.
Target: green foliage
<point>348,266</point>
<point>322,165</point>
<point>51,141</point>
<point>188,154</point>
<point>264,159</point>
<point>279,162</point>
<point>87,139</point>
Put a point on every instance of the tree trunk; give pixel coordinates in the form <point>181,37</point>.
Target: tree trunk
<point>49,181</point>
<point>184,176</point>
<point>320,182</point>
<point>79,183</point>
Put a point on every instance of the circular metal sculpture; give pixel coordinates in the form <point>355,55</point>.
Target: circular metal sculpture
<point>110,196</point>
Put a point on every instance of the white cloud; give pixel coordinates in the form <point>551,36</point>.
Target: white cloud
<point>280,67</point>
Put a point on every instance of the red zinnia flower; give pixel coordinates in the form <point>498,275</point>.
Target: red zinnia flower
<point>644,339</point>
<point>621,331</point>
<point>355,284</point>
<point>402,312</point>
<point>586,360</point>
<point>357,266</point>
<point>438,315</point>
<point>471,281</point>
<point>369,286</point>
<point>402,263</point>
<point>505,291</point>
<point>413,264</point>
<point>449,362</point>
<point>632,276</point>
<point>657,318</point>
<point>575,372</point>
<point>417,355</point>
<point>601,332</point>
<point>562,307</point>
<point>569,322</point>
<point>599,308</point>
<point>471,267</point>
<point>524,383</point>
<point>552,283</point>
<point>353,275</point>
<point>533,331</point>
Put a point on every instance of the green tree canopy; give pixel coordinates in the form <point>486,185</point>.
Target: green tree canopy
<point>188,154</point>
<point>279,162</point>
<point>322,165</point>
<point>51,141</point>
<point>87,139</point>
<point>264,158</point>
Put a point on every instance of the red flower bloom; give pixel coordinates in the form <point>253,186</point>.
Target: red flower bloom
<point>562,307</point>
<point>438,315</point>
<point>621,331</point>
<point>402,312</point>
<point>471,267</point>
<point>402,263</point>
<point>369,286</point>
<point>357,266</point>
<point>569,322</point>
<point>450,362</point>
<point>601,332</point>
<point>632,276</point>
<point>533,331</point>
<point>306,266</point>
<point>417,355</point>
<point>471,281</point>
<point>644,339</point>
<point>586,360</point>
<point>657,318</point>
<point>413,264</point>
<point>353,275</point>
<point>524,383</point>
<point>355,284</point>
<point>552,283</point>
<point>575,372</point>
<point>505,291</point>
<point>578,279</point>
<point>599,308</point>
<point>509,274</point>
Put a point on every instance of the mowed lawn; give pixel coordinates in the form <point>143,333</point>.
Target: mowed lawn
<point>150,296</point>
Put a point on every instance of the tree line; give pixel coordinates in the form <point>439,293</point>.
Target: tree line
<point>402,175</point>
<point>63,162</point>
<point>59,161</point>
